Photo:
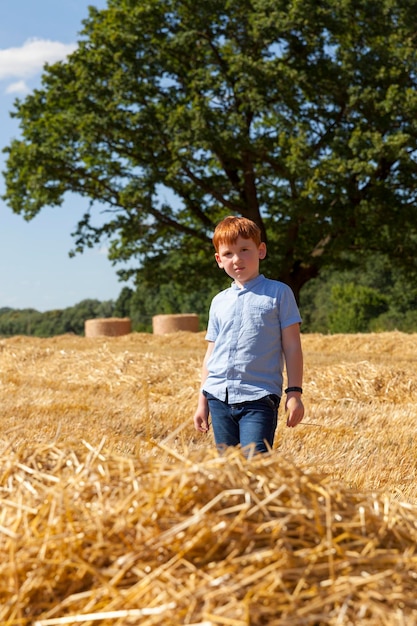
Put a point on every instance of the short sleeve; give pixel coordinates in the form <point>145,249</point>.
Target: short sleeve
<point>288,309</point>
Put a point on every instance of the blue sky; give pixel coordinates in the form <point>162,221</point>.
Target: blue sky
<point>35,269</point>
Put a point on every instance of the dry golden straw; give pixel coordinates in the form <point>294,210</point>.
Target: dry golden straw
<point>113,511</point>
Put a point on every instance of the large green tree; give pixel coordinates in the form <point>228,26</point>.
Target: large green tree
<point>172,114</point>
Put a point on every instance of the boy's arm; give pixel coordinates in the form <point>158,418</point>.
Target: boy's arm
<point>291,346</point>
<point>201,422</point>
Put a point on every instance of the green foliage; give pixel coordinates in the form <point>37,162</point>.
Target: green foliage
<point>353,307</point>
<point>51,323</point>
<point>315,303</point>
<point>122,304</point>
<point>18,322</point>
<point>378,298</point>
<point>299,115</point>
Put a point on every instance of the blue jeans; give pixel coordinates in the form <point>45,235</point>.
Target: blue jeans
<point>245,424</point>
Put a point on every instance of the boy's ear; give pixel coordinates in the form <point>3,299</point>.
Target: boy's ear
<point>262,250</point>
<point>219,263</point>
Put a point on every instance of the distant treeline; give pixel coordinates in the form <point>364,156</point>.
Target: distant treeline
<point>51,323</point>
<point>375,300</point>
<point>140,305</point>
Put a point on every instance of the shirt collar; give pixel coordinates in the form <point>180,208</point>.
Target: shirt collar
<point>248,286</point>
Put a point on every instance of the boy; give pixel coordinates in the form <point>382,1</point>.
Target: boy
<point>253,326</point>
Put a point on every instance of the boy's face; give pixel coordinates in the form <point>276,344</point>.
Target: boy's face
<point>240,260</point>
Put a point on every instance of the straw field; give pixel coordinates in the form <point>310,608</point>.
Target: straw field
<point>113,510</point>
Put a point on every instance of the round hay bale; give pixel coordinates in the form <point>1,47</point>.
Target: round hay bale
<point>164,324</point>
<point>108,327</point>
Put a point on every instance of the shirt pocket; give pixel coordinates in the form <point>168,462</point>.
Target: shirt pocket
<point>261,317</point>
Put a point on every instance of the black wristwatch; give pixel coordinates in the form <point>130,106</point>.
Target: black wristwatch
<point>289,389</point>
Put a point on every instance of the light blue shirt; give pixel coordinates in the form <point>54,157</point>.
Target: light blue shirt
<point>245,324</point>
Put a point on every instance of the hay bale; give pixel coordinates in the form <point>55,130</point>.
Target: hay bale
<point>164,324</point>
<point>108,327</point>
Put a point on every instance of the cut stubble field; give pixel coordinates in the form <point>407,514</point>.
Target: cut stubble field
<point>115,511</point>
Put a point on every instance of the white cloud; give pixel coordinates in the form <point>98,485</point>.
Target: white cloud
<point>29,59</point>
<point>18,87</point>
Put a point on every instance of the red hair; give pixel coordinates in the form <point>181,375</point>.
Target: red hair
<point>231,228</point>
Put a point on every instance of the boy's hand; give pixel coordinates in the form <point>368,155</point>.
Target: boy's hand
<point>201,422</point>
<point>295,408</point>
